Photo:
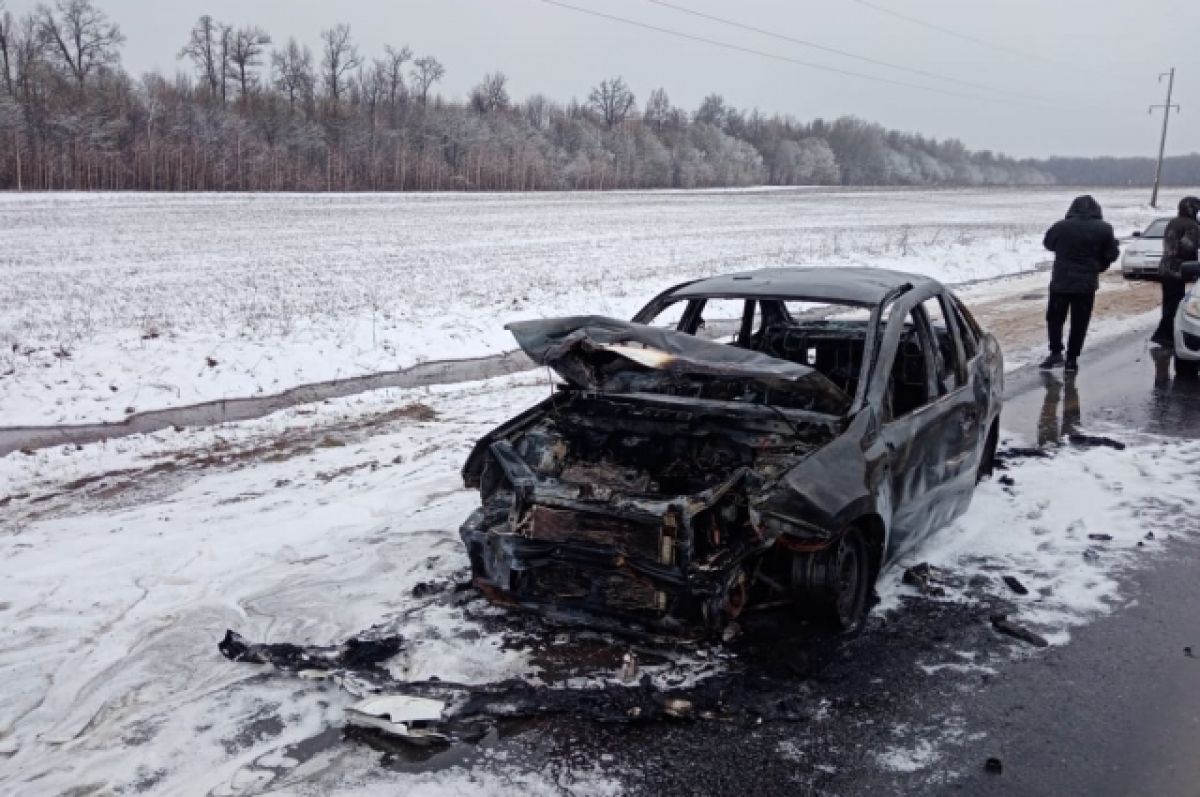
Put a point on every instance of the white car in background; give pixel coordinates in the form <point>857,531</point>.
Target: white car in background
<point>1187,326</point>
<point>1142,254</point>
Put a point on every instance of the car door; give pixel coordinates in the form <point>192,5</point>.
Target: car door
<point>923,436</point>
<point>965,434</point>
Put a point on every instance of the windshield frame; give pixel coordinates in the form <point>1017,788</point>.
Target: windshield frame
<point>692,315</point>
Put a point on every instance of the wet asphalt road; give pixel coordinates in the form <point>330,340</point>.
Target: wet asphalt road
<point>1115,712</point>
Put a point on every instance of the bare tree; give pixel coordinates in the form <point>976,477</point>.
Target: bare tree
<point>340,59</point>
<point>613,100</point>
<point>204,49</point>
<point>293,67</point>
<point>6,48</point>
<point>490,95</point>
<point>394,62</point>
<point>81,37</point>
<point>426,72</point>
<point>245,53</point>
<point>372,87</point>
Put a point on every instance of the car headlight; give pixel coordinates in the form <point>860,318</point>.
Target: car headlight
<point>1192,306</point>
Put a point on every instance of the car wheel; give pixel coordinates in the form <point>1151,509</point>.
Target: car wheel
<point>835,584</point>
<point>987,462</point>
<point>1188,369</point>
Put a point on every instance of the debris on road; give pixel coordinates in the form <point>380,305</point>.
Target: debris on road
<point>1100,537</point>
<point>926,578</point>
<point>994,766</point>
<point>1015,585</point>
<point>353,654</point>
<point>1093,441</point>
<point>440,712</point>
<point>1002,624</point>
<point>411,718</point>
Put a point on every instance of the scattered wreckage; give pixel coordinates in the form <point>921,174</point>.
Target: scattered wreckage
<point>765,438</point>
<point>436,712</point>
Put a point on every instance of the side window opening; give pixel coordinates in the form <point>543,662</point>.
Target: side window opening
<point>726,320</point>
<point>671,316</point>
<point>968,330</point>
<point>910,385</point>
<point>951,371</point>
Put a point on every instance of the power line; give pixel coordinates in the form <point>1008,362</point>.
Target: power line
<point>762,53</point>
<point>956,34</point>
<point>843,53</point>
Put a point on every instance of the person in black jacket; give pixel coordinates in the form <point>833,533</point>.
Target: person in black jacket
<point>1180,242</point>
<point>1084,246</point>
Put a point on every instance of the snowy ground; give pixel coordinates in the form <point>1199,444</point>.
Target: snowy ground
<point>111,304</point>
<point>124,562</point>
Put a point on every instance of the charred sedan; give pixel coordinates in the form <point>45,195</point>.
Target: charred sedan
<point>772,437</point>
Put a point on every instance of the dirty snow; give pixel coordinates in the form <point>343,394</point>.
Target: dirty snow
<point>118,303</point>
<point>1039,529</point>
<point>315,523</point>
<point>114,595</point>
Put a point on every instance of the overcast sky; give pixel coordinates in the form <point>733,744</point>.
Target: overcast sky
<point>1087,70</point>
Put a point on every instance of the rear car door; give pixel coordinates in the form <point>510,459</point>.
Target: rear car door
<point>923,435</point>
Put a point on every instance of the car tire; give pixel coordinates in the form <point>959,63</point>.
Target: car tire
<point>1187,369</point>
<point>987,462</point>
<point>834,585</point>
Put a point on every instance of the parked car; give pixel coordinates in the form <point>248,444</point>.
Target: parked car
<point>1187,326</point>
<point>771,437</point>
<point>1142,254</point>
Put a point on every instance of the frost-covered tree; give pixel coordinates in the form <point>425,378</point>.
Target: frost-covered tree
<point>491,94</point>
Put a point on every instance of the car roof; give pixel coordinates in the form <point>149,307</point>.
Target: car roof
<point>839,284</point>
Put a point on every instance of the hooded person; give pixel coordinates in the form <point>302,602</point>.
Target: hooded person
<point>1084,247</point>
<point>1181,240</point>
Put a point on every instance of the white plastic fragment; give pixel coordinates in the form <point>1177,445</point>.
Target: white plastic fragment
<point>399,715</point>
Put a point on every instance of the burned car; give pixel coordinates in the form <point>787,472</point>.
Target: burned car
<point>770,438</point>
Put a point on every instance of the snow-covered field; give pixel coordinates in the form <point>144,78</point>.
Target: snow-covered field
<point>111,304</point>
<point>125,562</point>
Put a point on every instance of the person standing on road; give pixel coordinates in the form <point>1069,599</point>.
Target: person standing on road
<point>1084,246</point>
<point>1180,242</point>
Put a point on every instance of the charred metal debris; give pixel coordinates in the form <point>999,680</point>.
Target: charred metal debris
<point>441,712</point>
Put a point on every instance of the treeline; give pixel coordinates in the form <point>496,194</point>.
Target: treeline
<point>1182,171</point>
<point>249,113</point>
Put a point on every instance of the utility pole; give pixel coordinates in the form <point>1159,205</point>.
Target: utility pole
<point>1162,144</point>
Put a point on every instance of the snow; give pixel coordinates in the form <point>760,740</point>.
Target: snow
<point>125,561</point>
<point>1038,529</point>
<point>113,605</point>
<point>112,303</point>
<point>316,522</point>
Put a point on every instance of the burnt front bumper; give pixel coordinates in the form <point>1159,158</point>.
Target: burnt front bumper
<point>640,565</point>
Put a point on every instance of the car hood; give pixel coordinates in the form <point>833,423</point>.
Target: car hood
<point>593,352</point>
<point>1141,246</point>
